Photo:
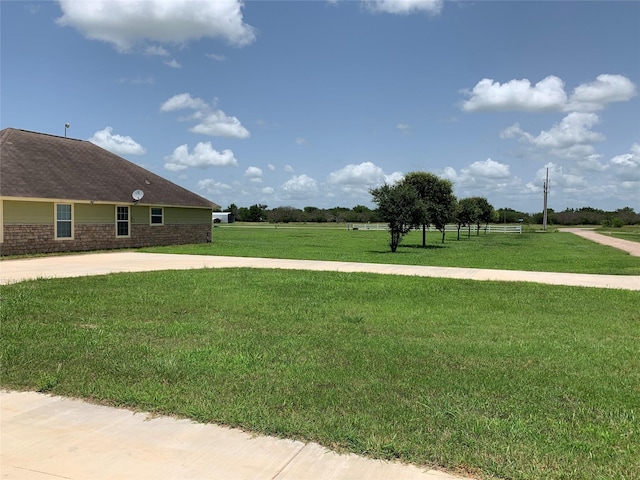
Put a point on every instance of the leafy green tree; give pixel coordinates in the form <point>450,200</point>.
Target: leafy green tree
<point>400,206</point>
<point>485,212</point>
<point>438,201</point>
<point>256,213</point>
<point>467,213</point>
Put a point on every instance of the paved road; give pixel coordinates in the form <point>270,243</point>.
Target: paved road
<point>104,263</point>
<point>632,248</point>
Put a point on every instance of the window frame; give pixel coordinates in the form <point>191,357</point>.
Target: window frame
<point>57,221</point>
<point>151,216</point>
<point>118,221</point>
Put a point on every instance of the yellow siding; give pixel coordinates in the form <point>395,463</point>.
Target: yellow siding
<point>28,213</point>
<point>86,213</point>
<point>186,216</point>
<point>139,215</point>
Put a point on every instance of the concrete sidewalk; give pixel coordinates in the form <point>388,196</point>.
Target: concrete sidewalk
<point>12,271</point>
<point>45,437</point>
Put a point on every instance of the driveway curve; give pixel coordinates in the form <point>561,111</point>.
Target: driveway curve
<point>633,248</point>
<point>12,271</point>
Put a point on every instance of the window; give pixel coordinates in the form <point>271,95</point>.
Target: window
<point>122,221</point>
<point>64,220</point>
<point>156,216</point>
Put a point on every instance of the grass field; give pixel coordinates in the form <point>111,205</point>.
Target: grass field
<point>505,380</point>
<point>496,380</point>
<point>551,252</point>
<point>631,233</point>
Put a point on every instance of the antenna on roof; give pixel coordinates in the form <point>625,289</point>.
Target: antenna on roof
<point>66,125</point>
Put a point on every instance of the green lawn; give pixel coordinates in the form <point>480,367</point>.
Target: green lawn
<point>551,252</point>
<point>629,232</point>
<point>509,380</point>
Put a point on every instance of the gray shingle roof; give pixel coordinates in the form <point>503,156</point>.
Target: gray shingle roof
<point>38,165</point>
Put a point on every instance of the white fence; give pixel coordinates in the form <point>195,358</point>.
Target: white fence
<point>448,228</point>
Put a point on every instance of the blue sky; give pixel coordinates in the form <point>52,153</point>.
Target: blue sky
<point>312,103</point>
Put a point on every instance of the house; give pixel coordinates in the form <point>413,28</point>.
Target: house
<point>60,194</point>
<point>223,217</point>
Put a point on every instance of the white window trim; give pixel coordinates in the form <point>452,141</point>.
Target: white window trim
<point>151,217</point>
<point>55,220</point>
<point>128,235</point>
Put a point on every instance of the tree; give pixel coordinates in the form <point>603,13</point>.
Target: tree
<point>436,195</point>
<point>466,214</point>
<point>400,207</point>
<point>255,213</point>
<point>485,213</point>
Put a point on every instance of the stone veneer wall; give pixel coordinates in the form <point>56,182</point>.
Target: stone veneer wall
<point>28,239</point>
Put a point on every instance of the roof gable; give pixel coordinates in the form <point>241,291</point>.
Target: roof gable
<point>38,165</point>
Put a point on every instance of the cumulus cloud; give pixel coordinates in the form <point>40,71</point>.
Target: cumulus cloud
<point>481,178</point>
<point>520,95</point>
<point>404,7</point>
<point>300,184</point>
<point>254,174</point>
<point>626,167</point>
<point>366,174</point>
<point>118,144</point>
<point>597,94</point>
<point>202,156</point>
<point>571,138</point>
<point>210,121</point>
<point>126,23</point>
<point>173,63</point>
<point>547,95</point>
<point>559,178</point>
<point>488,169</point>
<point>212,187</point>
<point>356,180</point>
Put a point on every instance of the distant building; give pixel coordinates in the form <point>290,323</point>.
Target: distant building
<point>223,217</point>
<point>61,194</point>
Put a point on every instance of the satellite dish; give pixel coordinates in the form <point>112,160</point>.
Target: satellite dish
<point>137,195</point>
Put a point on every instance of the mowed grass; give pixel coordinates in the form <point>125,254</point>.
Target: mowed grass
<point>508,380</point>
<point>628,232</point>
<point>532,251</point>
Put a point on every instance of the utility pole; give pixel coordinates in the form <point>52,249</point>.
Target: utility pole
<point>546,191</point>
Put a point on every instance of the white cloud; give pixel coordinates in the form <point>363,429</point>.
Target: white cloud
<point>212,187</point>
<point>488,169</point>
<point>571,138</point>
<point>173,63</point>
<point>626,167</point>
<point>118,144</point>
<point>365,174</point>
<point>302,184</point>
<point>561,179</point>
<point>181,101</point>
<point>254,174</point>
<point>271,167</point>
<point>216,57</point>
<point>597,94</point>
<point>268,190</point>
<point>126,23</point>
<point>212,122</point>
<point>548,95</point>
<point>203,156</point>
<point>519,95</point>
<point>289,169</point>
<point>404,7</point>
<point>356,180</point>
<point>156,50</point>
<point>300,141</point>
